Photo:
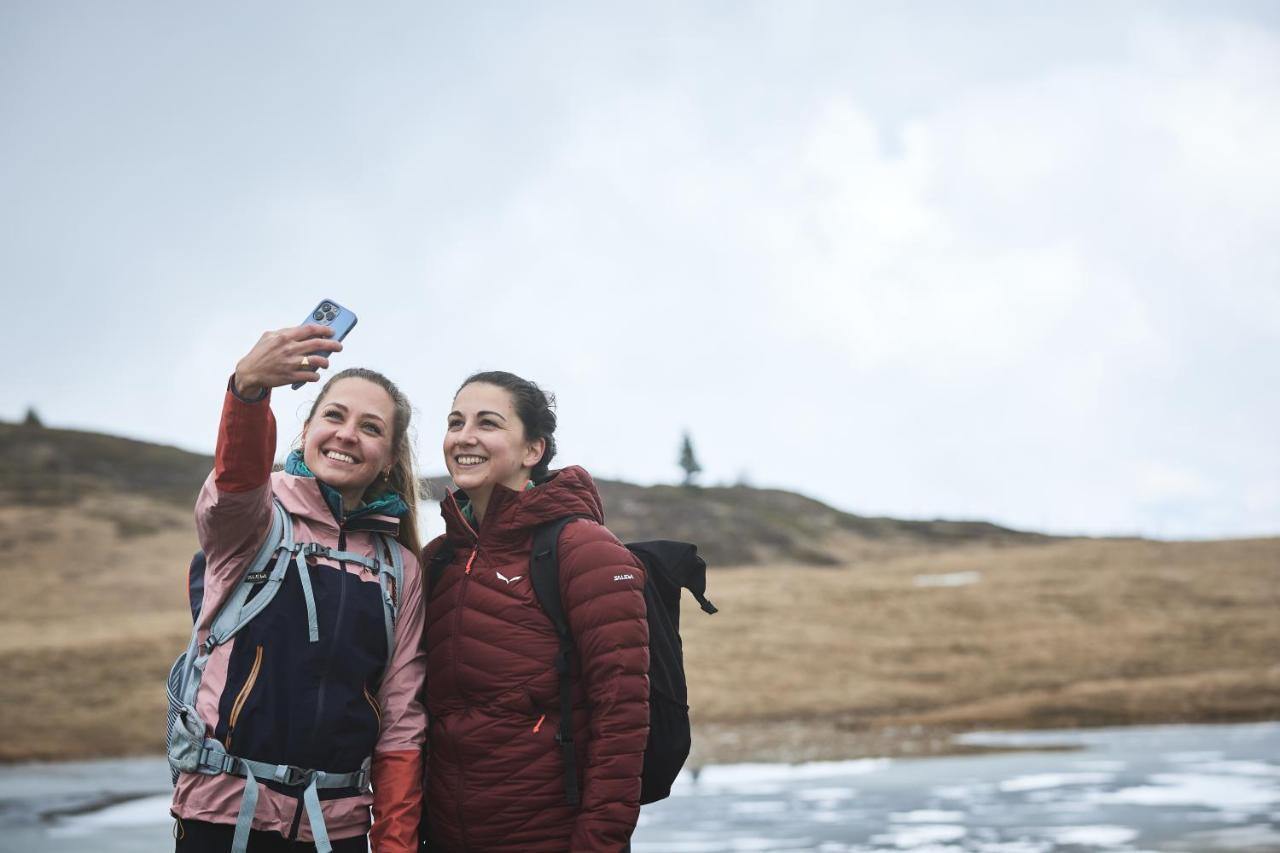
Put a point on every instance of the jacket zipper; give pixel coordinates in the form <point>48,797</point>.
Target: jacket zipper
<point>457,624</point>
<point>243,695</point>
<point>373,703</point>
<point>333,639</point>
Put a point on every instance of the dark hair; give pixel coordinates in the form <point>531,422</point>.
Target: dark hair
<point>534,407</point>
<point>401,479</point>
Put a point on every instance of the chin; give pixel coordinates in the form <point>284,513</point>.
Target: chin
<point>467,480</point>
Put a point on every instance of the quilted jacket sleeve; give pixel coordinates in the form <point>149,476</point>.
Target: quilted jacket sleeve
<point>233,511</point>
<point>397,759</point>
<point>603,593</point>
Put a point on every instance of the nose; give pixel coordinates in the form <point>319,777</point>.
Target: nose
<point>346,432</point>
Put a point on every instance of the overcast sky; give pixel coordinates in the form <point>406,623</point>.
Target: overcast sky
<point>916,259</point>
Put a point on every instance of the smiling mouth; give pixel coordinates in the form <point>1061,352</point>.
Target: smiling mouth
<point>468,461</point>
<point>339,456</point>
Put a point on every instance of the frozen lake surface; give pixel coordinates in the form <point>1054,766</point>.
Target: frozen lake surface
<point>1199,789</point>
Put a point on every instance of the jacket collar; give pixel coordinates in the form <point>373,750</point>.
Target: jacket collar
<point>512,515</point>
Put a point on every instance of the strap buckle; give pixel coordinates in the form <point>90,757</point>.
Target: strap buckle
<point>287,774</point>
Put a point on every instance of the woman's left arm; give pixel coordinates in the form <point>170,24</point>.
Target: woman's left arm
<point>603,591</point>
<point>397,758</point>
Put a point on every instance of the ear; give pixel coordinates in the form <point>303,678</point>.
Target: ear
<point>533,452</point>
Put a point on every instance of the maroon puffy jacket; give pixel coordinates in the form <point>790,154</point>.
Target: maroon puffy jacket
<point>495,778</point>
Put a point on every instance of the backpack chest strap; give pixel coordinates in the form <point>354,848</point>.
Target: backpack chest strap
<point>315,549</point>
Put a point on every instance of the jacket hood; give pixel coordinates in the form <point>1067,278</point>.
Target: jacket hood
<point>513,515</point>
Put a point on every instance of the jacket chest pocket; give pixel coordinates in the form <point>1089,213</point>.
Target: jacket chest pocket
<point>242,696</point>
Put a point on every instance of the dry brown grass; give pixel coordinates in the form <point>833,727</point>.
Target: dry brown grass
<point>1072,632</point>
<point>801,661</point>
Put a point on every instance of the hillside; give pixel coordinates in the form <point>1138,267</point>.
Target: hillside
<point>838,636</point>
<point>732,525</point>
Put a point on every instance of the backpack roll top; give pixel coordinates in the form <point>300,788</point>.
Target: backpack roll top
<point>669,568</point>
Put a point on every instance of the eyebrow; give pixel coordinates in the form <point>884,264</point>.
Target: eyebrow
<point>479,414</point>
<point>344,408</point>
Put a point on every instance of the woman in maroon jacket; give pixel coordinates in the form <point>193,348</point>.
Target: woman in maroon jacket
<point>495,779</point>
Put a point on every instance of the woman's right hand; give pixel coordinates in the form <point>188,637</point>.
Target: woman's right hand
<point>281,358</point>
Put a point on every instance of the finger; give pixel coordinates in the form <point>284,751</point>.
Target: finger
<point>317,345</point>
<point>304,363</point>
<point>309,330</point>
<point>318,362</point>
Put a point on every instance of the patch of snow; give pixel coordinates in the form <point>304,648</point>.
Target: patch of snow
<point>1192,757</point>
<point>948,579</point>
<point>1239,768</point>
<point>757,807</point>
<point>927,816</point>
<point>826,794</point>
<point>1040,781</point>
<point>691,846</point>
<point>971,791</point>
<point>914,836</point>
<point>1103,765</point>
<point>1094,836</point>
<point>1186,789</point>
<point>769,843</point>
<point>1019,846</point>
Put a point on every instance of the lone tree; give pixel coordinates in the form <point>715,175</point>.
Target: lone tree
<point>32,419</point>
<point>688,461</point>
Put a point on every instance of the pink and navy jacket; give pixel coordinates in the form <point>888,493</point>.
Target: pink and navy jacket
<point>271,694</point>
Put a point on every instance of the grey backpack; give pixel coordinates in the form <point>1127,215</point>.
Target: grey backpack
<point>189,749</point>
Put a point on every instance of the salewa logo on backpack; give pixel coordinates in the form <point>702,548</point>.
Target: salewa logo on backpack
<point>624,577</point>
<point>256,577</point>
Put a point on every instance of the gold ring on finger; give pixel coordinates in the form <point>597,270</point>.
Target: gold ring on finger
<point>306,362</point>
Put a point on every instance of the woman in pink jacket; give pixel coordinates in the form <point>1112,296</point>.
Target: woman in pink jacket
<point>310,684</point>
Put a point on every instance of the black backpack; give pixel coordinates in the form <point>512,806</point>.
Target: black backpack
<point>669,567</point>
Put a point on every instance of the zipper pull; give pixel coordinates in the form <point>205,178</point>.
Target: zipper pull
<point>471,560</point>
<point>538,724</point>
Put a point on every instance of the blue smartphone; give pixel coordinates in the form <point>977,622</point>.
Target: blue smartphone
<point>331,314</point>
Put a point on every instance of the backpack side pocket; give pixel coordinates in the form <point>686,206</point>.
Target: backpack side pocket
<point>185,730</point>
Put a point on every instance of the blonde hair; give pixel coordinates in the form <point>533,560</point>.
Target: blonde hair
<point>401,479</point>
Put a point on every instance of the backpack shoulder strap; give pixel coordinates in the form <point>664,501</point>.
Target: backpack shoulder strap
<point>544,574</point>
<point>240,609</point>
<point>435,567</point>
<point>391,582</point>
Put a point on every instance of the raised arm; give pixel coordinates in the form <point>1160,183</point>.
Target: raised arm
<point>233,509</point>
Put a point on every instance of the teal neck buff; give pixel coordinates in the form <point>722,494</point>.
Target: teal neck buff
<point>387,503</point>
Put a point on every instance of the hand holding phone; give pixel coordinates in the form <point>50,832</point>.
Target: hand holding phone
<point>331,314</point>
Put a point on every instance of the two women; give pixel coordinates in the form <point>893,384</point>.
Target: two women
<point>279,694</point>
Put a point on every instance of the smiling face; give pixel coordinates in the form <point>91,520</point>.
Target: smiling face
<point>485,442</point>
<point>347,442</point>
